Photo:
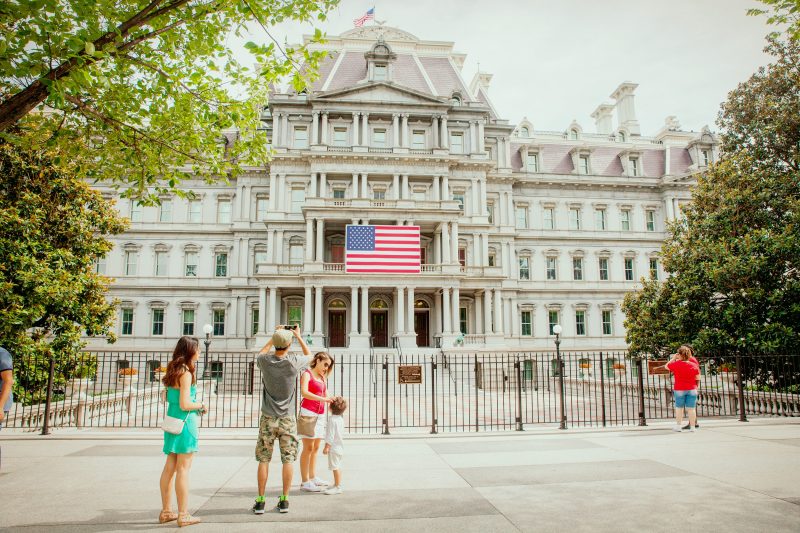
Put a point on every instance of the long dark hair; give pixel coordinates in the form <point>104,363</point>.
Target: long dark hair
<point>181,361</point>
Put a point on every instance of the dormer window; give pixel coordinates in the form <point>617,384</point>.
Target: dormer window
<point>455,100</point>
<point>380,73</point>
<point>379,62</point>
<point>523,132</point>
<point>573,135</point>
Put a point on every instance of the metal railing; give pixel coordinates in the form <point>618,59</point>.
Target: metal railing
<point>456,392</point>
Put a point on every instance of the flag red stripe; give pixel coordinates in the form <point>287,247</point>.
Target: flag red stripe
<point>393,263</point>
<point>387,256</point>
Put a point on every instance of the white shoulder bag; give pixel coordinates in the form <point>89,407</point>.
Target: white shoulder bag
<point>174,425</point>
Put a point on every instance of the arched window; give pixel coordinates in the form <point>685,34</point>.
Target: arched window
<point>421,304</point>
<point>379,304</point>
<point>621,136</point>
<point>152,370</point>
<point>573,134</point>
<point>523,132</point>
<point>337,304</point>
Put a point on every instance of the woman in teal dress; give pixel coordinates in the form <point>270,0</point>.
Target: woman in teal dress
<point>180,382</point>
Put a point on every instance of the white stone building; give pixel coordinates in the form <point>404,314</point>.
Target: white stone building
<point>521,228</point>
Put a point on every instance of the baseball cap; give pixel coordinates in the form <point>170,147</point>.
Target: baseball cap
<point>282,339</point>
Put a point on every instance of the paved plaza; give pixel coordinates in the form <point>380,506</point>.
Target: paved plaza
<point>729,476</point>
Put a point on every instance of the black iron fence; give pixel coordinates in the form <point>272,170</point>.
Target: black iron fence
<point>459,392</point>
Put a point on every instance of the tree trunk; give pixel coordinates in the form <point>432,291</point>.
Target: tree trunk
<point>21,104</point>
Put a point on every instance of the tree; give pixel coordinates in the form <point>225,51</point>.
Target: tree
<point>151,83</point>
<point>54,229</point>
<point>782,12</point>
<point>733,261</point>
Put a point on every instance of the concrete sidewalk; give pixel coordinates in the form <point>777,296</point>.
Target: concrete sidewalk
<point>729,476</point>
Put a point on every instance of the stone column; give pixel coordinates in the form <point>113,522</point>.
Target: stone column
<point>395,129</point>
<point>446,314</point>
<point>324,139</point>
<point>485,249</point>
<point>309,239</point>
<point>355,185</point>
<point>514,317</point>
<point>436,188</point>
<point>479,315</point>
<point>405,130</point>
<point>279,247</point>
<point>399,305</point>
<point>355,129</point>
<point>314,127</point>
<point>365,129</point>
<point>436,313</point>
<point>313,188</point>
<point>435,130</point>
<point>406,196</point>
<point>445,188</point>
<point>396,186</point>
<point>482,194</point>
<point>476,249</point>
<point>454,242</point>
<point>498,311</point>
<point>445,134</point>
<point>323,184</point>
<point>456,310</point>
<point>446,243</point>
<point>308,317</point>
<point>272,317</point>
<point>481,138</point>
<point>474,209</point>
<point>272,191</point>
<point>473,137</point>
<point>487,311</point>
<point>353,311</point>
<point>262,310</point>
<point>437,250</point>
<point>501,153</point>
<point>271,245</point>
<point>507,151</point>
<point>276,130</point>
<point>285,130</point>
<point>364,186</point>
<point>320,255</point>
<point>410,307</point>
<point>318,310</point>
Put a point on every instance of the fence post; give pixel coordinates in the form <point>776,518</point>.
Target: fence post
<point>385,394</point>
<point>740,387</point>
<point>476,392</point>
<point>50,377</point>
<point>519,394</point>
<point>561,407</point>
<point>602,390</point>
<point>433,395</point>
<point>642,419</point>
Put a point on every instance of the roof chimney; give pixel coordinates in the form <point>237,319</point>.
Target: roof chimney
<point>626,112</point>
<point>602,118</point>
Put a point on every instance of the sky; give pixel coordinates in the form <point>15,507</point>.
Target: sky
<point>555,61</point>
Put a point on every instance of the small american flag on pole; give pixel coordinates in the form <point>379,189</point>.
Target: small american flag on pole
<point>369,15</point>
<point>382,249</point>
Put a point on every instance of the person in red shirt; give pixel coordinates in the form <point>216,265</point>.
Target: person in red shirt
<point>694,360</point>
<point>685,388</point>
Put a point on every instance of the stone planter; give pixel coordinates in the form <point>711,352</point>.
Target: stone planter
<point>78,388</point>
<point>127,382</point>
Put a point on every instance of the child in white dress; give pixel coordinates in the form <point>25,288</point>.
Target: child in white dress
<point>334,443</point>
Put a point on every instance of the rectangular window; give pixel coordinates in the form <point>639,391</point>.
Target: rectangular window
<point>187,320</point>
<point>552,319</point>
<point>651,220</point>
<point>261,208</point>
<point>161,263</point>
<point>300,137</point>
<point>526,329</point>
<point>575,219</point>
<point>549,218</point>
<point>457,143</point>
<point>583,165</point>
<point>628,269</point>
<point>634,166</point>
<point>706,158</point>
<point>100,265</point>
<point>580,322</point>
<point>462,320</point>
<point>606,322</point>
<point>254,321</point>
<point>379,74</point>
<point>379,194</point>
<point>195,215</point>
<point>338,194</point>
<point>625,220</point>
<point>462,256</point>
<point>131,262</point>
<point>490,210</point>
<point>379,138</point>
<point>577,268</point>
<point>532,163</point>
<point>296,254</point>
<point>165,211</point>
<point>653,268</point>
<point>492,259</point>
<point>521,212</point>
<point>600,219</point>
<point>136,211</point>
<point>219,322</point>
<point>551,268</point>
<point>224,212</point>
<point>221,265</point>
<point>603,261</point>
<point>418,139</point>
<point>298,199</point>
<point>460,199</point>
<point>127,322</point>
<point>191,264</point>
<point>419,195</point>
<point>294,314</point>
<point>158,321</point>
<point>524,268</point>
<point>340,136</point>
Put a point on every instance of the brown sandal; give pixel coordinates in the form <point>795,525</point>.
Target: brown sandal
<point>167,516</point>
<point>185,519</point>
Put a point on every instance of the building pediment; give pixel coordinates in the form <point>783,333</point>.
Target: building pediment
<point>380,92</point>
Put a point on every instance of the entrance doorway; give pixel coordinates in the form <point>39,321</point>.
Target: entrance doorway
<point>336,327</point>
<point>379,326</point>
<point>421,327</point>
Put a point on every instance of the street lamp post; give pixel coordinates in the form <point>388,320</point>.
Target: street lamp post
<point>207,329</point>
<point>557,331</point>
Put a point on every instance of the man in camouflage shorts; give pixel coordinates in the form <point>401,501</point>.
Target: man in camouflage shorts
<point>279,371</point>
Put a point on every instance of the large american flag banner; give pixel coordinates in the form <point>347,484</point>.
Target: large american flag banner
<point>382,249</point>
<point>369,15</point>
